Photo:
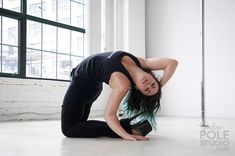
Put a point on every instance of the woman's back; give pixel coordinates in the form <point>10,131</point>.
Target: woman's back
<point>99,67</point>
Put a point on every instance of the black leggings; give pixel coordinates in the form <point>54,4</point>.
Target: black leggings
<point>76,109</point>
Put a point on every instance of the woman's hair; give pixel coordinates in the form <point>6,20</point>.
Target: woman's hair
<point>140,103</point>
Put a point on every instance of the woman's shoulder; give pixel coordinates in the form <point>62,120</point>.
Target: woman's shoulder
<point>119,80</point>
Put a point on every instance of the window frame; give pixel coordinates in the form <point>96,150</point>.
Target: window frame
<point>22,18</point>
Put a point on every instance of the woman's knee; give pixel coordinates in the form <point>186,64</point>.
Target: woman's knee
<point>66,132</point>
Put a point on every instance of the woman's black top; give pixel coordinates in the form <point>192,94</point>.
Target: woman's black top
<point>99,67</point>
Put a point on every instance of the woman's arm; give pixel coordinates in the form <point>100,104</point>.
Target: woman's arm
<point>168,65</point>
<point>120,86</point>
<point>111,111</point>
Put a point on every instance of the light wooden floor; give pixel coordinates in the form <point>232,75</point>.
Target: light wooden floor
<point>175,137</point>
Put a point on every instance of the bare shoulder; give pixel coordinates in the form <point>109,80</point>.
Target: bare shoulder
<point>142,62</point>
<point>119,81</point>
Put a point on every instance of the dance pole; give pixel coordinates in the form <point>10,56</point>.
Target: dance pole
<point>203,123</point>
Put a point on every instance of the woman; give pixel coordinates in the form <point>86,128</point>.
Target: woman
<point>121,71</point>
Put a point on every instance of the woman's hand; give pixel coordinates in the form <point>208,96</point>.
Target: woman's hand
<point>135,138</point>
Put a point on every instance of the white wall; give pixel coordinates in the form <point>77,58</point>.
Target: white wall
<point>220,55</point>
<point>125,26</point>
<point>126,34</point>
<point>93,31</point>
<point>26,99</point>
<point>30,99</point>
<point>137,27</point>
<point>173,30</point>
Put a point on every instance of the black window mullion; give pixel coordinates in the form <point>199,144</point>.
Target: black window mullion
<point>1,44</point>
<point>10,14</point>
<point>22,41</point>
<point>61,25</point>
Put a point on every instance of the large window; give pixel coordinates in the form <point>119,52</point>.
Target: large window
<point>41,38</point>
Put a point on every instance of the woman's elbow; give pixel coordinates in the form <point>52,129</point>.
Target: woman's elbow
<point>108,116</point>
<point>174,62</point>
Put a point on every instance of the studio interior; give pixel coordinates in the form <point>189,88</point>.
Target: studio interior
<point>55,53</point>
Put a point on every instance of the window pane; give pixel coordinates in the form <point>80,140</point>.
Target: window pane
<point>69,12</point>
<point>33,63</point>
<point>9,59</point>
<point>10,31</point>
<point>85,17</point>
<point>49,10</point>
<point>77,14</point>
<point>0,29</point>
<point>48,65</point>
<point>0,59</point>
<point>13,5</point>
<point>63,67</point>
<point>34,34</point>
<point>49,38</point>
<point>77,43</point>
<point>1,3</point>
<point>64,11</point>
<point>75,61</point>
<point>34,8</point>
<point>63,41</point>
<point>0,42</point>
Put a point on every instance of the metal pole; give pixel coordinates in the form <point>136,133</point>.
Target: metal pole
<point>203,123</point>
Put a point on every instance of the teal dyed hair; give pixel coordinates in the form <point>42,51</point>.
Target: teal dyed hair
<point>135,103</point>
<point>151,117</point>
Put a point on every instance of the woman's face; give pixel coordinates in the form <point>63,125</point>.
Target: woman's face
<point>147,85</point>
